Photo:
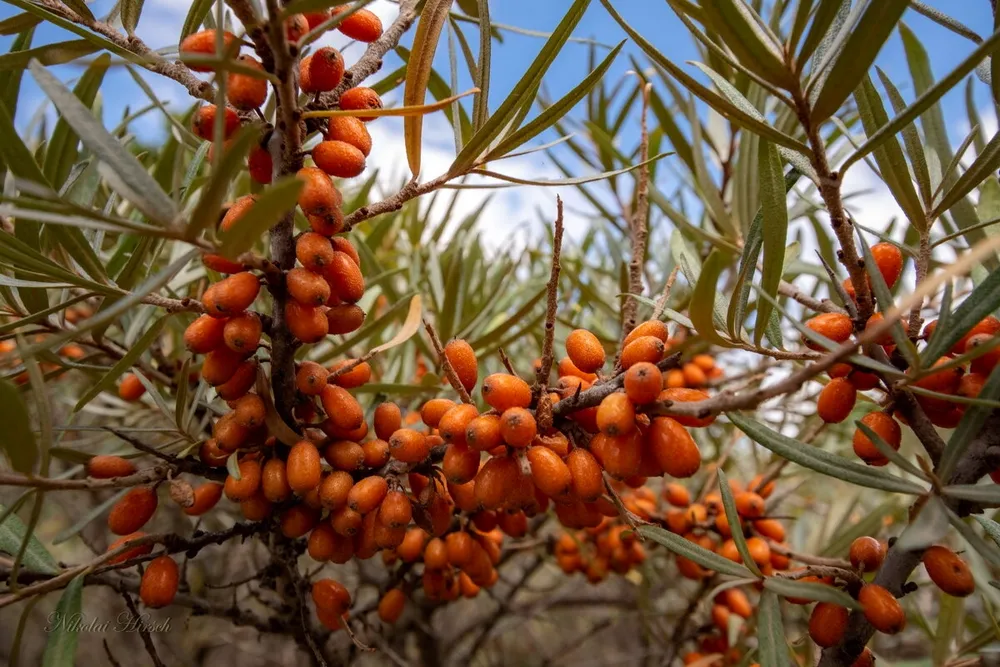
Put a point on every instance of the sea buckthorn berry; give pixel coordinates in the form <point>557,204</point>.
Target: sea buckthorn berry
<point>345,455</point>
<point>674,379</point>
<point>771,529</point>
<point>835,326</point>
<point>867,554</point>
<point>133,511</point>
<point>759,550</point>
<point>315,19</point>
<point>296,26</point>
<point>863,380</point>
<point>686,395</point>
<point>129,554</point>
<point>310,378</point>
<point>395,510</point>
<point>363,25</point>
<point>361,99</point>
<point>319,196</point>
<point>455,421</point>
<point>643,382</point>
<point>204,334</point>
<point>220,366</point>
<point>882,609</point>
<point>644,348</point>
<point>949,572</point>
<point>341,407</point>
<point>211,454</point>
<point>463,360</point>
<point>203,124</point>
<point>566,367</point>
<point>345,278</point>
<point>331,595</point>
<point>305,77</point>
<point>827,624</point>
<point>206,497</point>
<point>874,321</point>
<point>460,464</point>
<point>749,505</point>
<point>239,383</point>
<point>159,582</point>
<point>131,389</point>
<point>220,264</point>
<point>376,453</point>
<point>616,415</point>
<point>503,391</point>
<point>585,350</point>
<point>260,165</point>
<point>298,520</point>
<point>387,419</point>
<point>104,466</point>
<point>344,318</point>
<point>483,433</point>
<point>432,411</point>
<point>588,480</point>
<point>344,245</point>
<point>620,455</point>
<point>349,130</point>
<point>367,494</point>
<point>655,328</point>
<point>517,427</point>
<point>303,467</point>
<point>989,325</point>
<point>409,446</point>
<point>339,158</point>
<point>326,69</point>
<point>836,401</point>
<point>971,385</point>
<point>758,486</point>
<point>247,485</point>
<point>391,606</point>
<point>203,44</point>
<point>249,411</point>
<point>334,489</point>
<point>351,373</point>
<point>274,481</point>
<point>314,251</point>
<point>889,261</point>
<point>693,375</point>
<point>673,447</point>
<point>676,494</point>
<point>246,92</point>
<point>549,472</point>
<point>886,428</point>
<point>306,323</point>
<point>944,381</point>
<point>231,296</point>
<point>242,333</point>
<point>497,481</point>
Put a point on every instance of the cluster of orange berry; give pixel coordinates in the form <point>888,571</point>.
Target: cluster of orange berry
<point>9,357</point>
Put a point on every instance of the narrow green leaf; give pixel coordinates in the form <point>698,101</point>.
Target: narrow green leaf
<point>810,591</point>
<point>131,11</point>
<point>989,553</point>
<point>702,310</point>
<point>692,551</point>
<point>61,153</point>
<point>774,229</point>
<point>277,200</point>
<point>982,301</point>
<point>123,365</point>
<point>986,163</point>
<point>14,154</point>
<point>12,535</point>
<point>929,526</point>
<point>858,54</point>
<point>987,495</point>
<point>821,461</point>
<point>19,441</point>
<point>18,23</point>
<point>736,524</point>
<point>518,96</point>
<point>771,641</point>
<point>49,54</point>
<point>551,182</point>
<point>60,644</point>
<point>196,14</point>
<point>418,72</point>
<point>972,421</point>
<point>741,32</point>
<point>911,140</point>
<point>481,100</point>
<point>822,20</point>
<point>991,527</point>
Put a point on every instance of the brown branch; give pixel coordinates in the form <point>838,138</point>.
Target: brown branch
<point>147,641</point>
<point>818,305</point>
<point>593,396</point>
<point>395,202</point>
<point>552,301</point>
<point>637,224</point>
<point>922,266</point>
<point>446,366</point>
<point>186,304</point>
<point>140,478</point>
<point>661,302</point>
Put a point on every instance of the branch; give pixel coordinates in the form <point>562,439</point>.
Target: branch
<point>143,632</point>
<point>592,397</point>
<point>186,304</point>
<point>446,366</point>
<point>637,224</point>
<point>818,305</point>
<point>140,478</point>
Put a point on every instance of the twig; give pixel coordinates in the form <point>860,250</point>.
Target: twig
<point>661,302</point>
<point>818,305</point>
<point>145,476</point>
<point>143,632</point>
<point>593,396</point>
<point>111,656</point>
<point>446,366</point>
<point>552,303</point>
<point>923,263</point>
<point>186,304</point>
<point>506,361</point>
<point>637,224</point>
<point>631,520</point>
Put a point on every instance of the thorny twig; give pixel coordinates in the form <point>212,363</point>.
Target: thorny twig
<point>661,302</point>
<point>446,366</point>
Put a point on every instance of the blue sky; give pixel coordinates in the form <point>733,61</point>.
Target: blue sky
<point>161,20</point>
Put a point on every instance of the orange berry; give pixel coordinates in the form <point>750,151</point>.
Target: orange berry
<point>655,328</point>
<point>131,389</point>
<point>129,554</point>
<point>314,251</point>
<point>835,326</point>
<point>303,467</point>
<point>345,277</point>
<point>463,360</point>
<point>341,407</point>
<point>203,123</point>
<point>703,361</point>
<point>344,318</point>
<point>133,511</point>
<point>360,99</point>
<point>971,385</point>
<point>676,495</point>
<point>673,447</point>
<point>757,485</point>
<point>310,378</point>
<point>319,196</point>
<point>104,466</point>
<point>693,375</point>
<point>221,264</point>
<point>989,325</point>
<point>585,350</point>
<point>344,455</point>
<point>247,485</point>
<point>749,505</point>
<point>889,261</point>
<point>357,375</point>
<point>363,25</point>
<point>331,595</point>
<point>483,433</point>
<point>885,427</point>
<point>455,421</point>
<point>616,415</point>
<point>367,494</point>
<point>643,382</point>
<point>566,367</point>
<point>334,489</point>
<point>588,480</point>
<point>409,446</point>
<point>274,481</point>
<point>203,44</point>
<point>326,69</point>
<point>517,427</point>
<point>298,520</point>
<point>231,296</point>
<point>674,379</point>
<point>390,607</point>
<point>387,419</point>
<point>339,158</point>
<point>260,165</point>
<point>549,472</point>
<point>306,323</point>
<point>685,395</point>
<point>432,411</point>
<point>949,572</point>
<point>211,454</point>
<point>503,391</point>
<point>242,333</point>
<point>644,348</point>
<point>296,27</point>
<point>349,130</point>
<point>866,659</point>
<point>496,481</point>
<point>395,510</point>
<point>206,497</point>
<point>867,554</point>
<point>376,453</point>
<point>460,464</point>
<point>220,366</point>
<point>827,624</point>
<point>249,411</point>
<point>204,334</point>
<point>759,550</point>
<point>770,528</point>
<point>882,609</point>
<point>239,383</point>
<point>243,91</point>
<point>836,401</point>
<point>159,582</point>
<point>619,455</point>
